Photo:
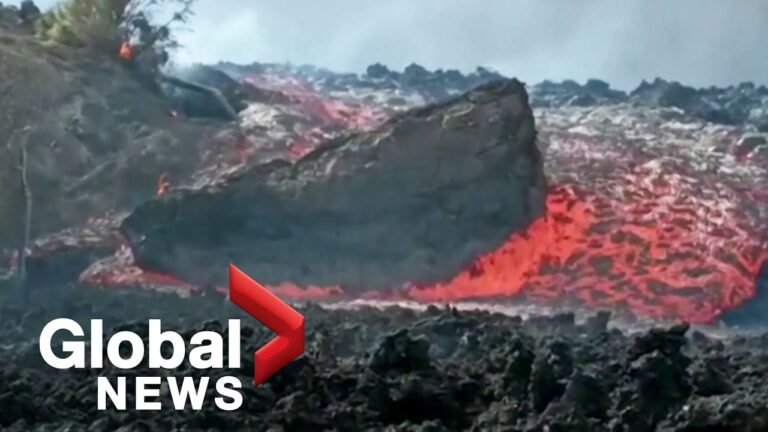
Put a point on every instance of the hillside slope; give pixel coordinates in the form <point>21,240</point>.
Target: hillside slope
<point>97,137</point>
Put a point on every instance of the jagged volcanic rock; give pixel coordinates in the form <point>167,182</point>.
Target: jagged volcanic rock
<point>398,370</point>
<point>414,201</point>
<point>745,103</point>
<point>415,81</point>
<point>570,93</point>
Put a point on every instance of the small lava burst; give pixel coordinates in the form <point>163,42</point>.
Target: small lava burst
<point>163,185</point>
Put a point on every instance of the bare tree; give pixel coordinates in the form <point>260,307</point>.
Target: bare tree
<point>17,148</point>
<point>21,114</point>
<point>26,199</point>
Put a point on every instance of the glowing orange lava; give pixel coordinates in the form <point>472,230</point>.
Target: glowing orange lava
<point>639,219</point>
<point>585,249</point>
<point>654,260</point>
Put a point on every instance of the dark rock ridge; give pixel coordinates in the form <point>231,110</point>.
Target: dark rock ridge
<point>745,103</point>
<point>413,201</point>
<point>570,93</point>
<point>434,86</point>
<point>398,370</point>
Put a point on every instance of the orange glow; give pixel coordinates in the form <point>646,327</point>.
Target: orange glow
<point>608,253</point>
<point>163,185</point>
<point>589,248</point>
<point>126,52</point>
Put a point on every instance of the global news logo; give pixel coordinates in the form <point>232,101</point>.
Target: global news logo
<point>168,350</point>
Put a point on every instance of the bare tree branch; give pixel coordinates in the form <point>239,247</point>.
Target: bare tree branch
<point>24,104</point>
<point>21,254</point>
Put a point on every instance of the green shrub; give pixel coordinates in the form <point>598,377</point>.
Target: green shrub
<point>104,24</point>
<point>86,23</point>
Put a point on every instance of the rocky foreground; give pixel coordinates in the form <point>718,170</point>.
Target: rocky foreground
<point>402,370</point>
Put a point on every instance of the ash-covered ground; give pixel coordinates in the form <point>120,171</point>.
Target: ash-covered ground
<point>397,369</point>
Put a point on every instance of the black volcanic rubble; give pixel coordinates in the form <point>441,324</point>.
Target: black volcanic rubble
<point>402,370</point>
<point>745,103</point>
<point>434,86</point>
<point>570,93</point>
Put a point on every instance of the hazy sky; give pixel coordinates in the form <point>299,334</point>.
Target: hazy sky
<point>699,42</point>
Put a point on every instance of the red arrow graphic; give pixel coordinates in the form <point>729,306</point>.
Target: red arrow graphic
<point>282,319</point>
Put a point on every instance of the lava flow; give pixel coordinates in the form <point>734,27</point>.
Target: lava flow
<point>587,250</point>
<point>661,226</point>
<point>643,216</point>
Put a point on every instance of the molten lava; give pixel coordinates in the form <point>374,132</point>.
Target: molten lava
<point>163,185</point>
<point>126,52</point>
<point>648,259</point>
<point>644,215</point>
